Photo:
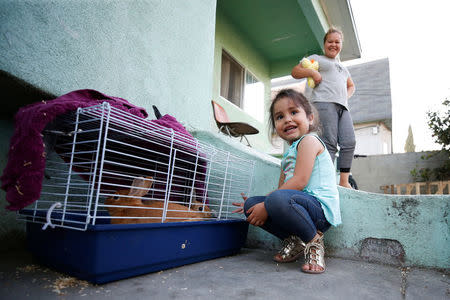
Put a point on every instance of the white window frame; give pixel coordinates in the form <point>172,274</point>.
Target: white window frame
<point>241,101</point>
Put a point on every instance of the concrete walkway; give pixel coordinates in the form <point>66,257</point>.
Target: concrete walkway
<point>250,275</point>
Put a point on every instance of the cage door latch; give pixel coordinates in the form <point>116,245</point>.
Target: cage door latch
<point>49,215</point>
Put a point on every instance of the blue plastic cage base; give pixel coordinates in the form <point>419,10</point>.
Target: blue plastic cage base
<point>105,253</point>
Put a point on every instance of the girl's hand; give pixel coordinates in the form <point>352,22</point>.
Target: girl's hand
<point>258,214</point>
<point>240,210</point>
<point>316,77</point>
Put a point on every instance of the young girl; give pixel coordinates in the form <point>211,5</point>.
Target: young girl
<point>333,87</point>
<point>306,202</point>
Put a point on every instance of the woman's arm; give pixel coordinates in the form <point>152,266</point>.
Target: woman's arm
<point>298,72</point>
<point>350,87</point>
<point>308,149</point>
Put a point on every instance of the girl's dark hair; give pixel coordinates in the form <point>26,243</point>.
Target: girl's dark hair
<point>333,30</point>
<point>301,101</point>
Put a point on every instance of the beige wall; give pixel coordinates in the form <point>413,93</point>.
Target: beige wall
<point>373,139</point>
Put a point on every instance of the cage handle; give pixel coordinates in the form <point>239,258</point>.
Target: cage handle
<point>49,214</point>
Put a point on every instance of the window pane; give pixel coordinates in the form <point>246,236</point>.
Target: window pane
<point>254,97</point>
<point>231,80</point>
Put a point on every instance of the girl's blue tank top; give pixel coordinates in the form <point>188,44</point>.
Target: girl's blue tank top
<point>321,184</point>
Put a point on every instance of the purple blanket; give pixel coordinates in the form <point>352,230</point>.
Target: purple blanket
<point>24,172</point>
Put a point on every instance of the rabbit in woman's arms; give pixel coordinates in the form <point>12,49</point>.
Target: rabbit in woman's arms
<point>128,203</point>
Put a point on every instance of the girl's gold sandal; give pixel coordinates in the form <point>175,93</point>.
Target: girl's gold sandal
<point>315,255</point>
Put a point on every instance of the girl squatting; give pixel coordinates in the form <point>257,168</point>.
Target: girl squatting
<point>306,202</point>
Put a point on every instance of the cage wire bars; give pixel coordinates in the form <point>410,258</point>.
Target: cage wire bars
<point>97,151</point>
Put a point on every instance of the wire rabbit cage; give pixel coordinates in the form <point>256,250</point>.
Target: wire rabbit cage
<point>109,165</point>
<point>111,173</point>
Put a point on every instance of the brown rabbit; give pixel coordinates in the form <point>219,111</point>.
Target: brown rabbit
<point>153,210</point>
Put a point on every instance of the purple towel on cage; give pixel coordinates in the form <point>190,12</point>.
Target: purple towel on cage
<point>24,172</point>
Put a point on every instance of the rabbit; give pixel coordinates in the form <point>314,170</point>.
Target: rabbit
<point>140,187</point>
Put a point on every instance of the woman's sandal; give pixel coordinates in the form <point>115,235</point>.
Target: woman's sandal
<point>315,255</point>
<point>292,249</point>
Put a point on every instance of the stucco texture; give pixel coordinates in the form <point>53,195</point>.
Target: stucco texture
<point>146,51</point>
<point>418,223</point>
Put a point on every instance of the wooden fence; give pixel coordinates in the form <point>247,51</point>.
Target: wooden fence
<point>418,188</point>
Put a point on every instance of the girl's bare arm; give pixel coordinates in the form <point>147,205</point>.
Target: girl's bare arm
<point>281,180</point>
<point>308,149</point>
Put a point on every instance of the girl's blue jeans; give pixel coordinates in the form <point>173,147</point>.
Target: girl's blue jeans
<point>291,212</point>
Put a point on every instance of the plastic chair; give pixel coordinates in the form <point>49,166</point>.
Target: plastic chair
<point>234,129</point>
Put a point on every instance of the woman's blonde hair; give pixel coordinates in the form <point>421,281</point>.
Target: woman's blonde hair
<point>333,30</point>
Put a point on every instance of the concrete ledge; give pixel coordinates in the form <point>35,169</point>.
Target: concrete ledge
<point>418,223</point>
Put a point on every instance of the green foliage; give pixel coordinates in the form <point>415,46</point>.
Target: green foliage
<point>424,174</point>
<point>440,125</point>
<point>443,172</point>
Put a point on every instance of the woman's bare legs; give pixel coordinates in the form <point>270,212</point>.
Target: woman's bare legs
<point>343,180</point>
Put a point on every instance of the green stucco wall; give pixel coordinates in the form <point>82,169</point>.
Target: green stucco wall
<point>146,51</point>
<point>234,42</point>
